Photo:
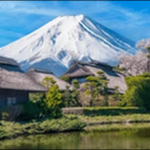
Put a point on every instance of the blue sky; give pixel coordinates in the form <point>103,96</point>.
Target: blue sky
<point>19,18</point>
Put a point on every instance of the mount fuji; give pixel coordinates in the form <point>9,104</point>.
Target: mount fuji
<point>65,39</point>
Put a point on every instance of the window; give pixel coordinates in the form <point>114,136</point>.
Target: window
<point>81,80</point>
<point>14,100</point>
<point>11,101</point>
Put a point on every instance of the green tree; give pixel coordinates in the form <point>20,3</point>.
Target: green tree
<point>75,93</point>
<point>31,110</point>
<point>34,108</point>
<point>48,82</point>
<point>104,86</point>
<point>92,88</point>
<point>138,93</point>
<point>96,86</point>
<point>117,96</point>
<point>67,97</point>
<point>105,92</point>
<point>53,100</point>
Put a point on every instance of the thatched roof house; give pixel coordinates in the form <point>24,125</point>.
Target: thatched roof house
<point>39,75</point>
<point>15,85</point>
<point>80,70</point>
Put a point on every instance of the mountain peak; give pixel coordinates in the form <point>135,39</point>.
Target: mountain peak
<point>80,16</point>
<point>65,39</point>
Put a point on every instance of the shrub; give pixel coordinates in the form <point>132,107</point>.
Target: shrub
<point>138,93</point>
<point>96,111</point>
<point>30,111</point>
<point>54,98</point>
<point>112,110</point>
<point>11,113</point>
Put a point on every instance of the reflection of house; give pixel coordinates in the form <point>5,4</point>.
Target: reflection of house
<point>39,75</point>
<point>15,85</point>
<point>80,70</point>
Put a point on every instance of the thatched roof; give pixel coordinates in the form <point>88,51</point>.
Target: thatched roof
<point>77,70</point>
<point>39,75</point>
<point>80,69</point>
<point>12,77</point>
<point>8,61</point>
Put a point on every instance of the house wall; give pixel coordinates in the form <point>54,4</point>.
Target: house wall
<point>12,97</point>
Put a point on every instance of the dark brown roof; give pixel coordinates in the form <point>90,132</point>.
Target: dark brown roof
<point>12,77</point>
<point>40,75</point>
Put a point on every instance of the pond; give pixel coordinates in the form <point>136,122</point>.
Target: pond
<point>90,139</point>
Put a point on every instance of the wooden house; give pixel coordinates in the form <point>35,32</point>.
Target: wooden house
<point>80,70</point>
<point>40,74</point>
<point>15,85</point>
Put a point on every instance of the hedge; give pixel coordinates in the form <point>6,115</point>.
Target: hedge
<point>95,111</point>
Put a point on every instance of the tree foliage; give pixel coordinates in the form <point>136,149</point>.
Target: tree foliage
<point>97,85</point>
<point>65,78</point>
<point>53,100</point>
<point>48,82</point>
<point>67,97</point>
<point>75,93</point>
<point>138,93</point>
<point>47,104</point>
<point>117,96</point>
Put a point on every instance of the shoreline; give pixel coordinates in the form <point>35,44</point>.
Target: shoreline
<point>118,122</point>
<point>9,130</point>
<point>73,123</point>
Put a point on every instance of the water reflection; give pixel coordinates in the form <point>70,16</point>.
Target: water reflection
<point>130,139</point>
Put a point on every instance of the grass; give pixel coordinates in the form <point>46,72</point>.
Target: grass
<point>129,118</point>
<point>118,127</point>
<point>15,129</point>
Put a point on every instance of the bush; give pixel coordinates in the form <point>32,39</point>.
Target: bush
<point>30,111</point>
<point>13,129</point>
<point>54,99</point>
<point>10,113</point>
<point>138,93</point>
<point>96,111</point>
<point>112,110</point>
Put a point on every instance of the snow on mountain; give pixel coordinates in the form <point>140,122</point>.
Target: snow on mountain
<point>57,44</point>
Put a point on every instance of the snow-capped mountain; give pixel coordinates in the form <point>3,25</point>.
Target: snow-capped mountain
<point>57,44</point>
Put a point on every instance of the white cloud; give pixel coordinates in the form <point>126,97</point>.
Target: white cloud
<point>108,13</point>
<point>105,9</point>
<point>30,8</point>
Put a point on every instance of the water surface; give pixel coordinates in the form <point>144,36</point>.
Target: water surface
<point>130,139</point>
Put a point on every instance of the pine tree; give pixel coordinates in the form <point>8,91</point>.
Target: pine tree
<point>67,97</point>
<point>75,92</point>
<point>92,87</point>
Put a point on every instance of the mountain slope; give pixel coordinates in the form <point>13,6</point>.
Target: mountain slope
<point>65,39</point>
